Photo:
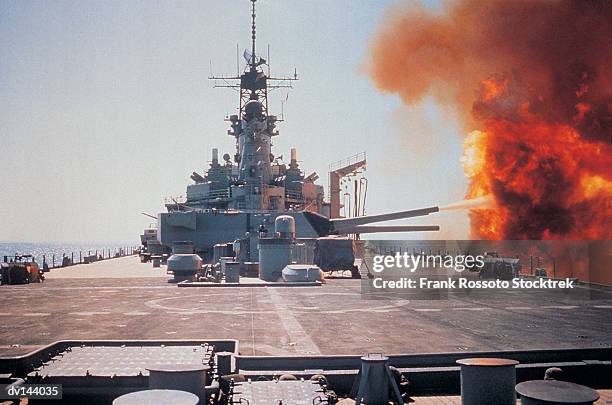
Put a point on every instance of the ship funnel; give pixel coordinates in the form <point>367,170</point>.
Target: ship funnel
<point>215,155</point>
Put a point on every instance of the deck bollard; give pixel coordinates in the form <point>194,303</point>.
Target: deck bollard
<point>550,392</point>
<point>488,381</point>
<point>375,382</point>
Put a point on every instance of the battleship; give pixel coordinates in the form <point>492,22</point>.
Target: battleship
<point>241,197</point>
<point>117,331</point>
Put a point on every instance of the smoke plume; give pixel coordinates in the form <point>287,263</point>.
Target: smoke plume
<point>531,83</point>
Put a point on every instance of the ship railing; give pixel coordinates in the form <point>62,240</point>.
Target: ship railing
<point>294,195</point>
<point>347,161</point>
<point>174,200</point>
<point>55,261</point>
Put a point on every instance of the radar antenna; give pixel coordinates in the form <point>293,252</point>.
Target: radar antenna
<point>253,83</point>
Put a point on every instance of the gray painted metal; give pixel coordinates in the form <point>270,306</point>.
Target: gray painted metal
<point>374,382</point>
<point>185,377</point>
<point>541,392</point>
<point>274,255</point>
<point>232,272</point>
<point>422,360</point>
<point>301,273</point>
<point>284,226</point>
<point>208,228</point>
<point>224,363</point>
<point>347,225</point>
<point>427,372</point>
<point>277,392</point>
<point>182,247</point>
<point>394,228</point>
<point>120,361</point>
<point>185,264</point>
<point>488,381</point>
<point>157,397</point>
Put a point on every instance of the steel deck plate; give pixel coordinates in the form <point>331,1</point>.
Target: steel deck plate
<point>272,392</point>
<point>120,361</point>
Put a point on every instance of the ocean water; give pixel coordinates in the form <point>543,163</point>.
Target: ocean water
<point>58,249</point>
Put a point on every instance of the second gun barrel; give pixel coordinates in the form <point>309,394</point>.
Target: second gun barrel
<point>340,224</point>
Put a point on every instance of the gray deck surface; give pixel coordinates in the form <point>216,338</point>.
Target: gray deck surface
<point>332,319</point>
<point>605,397</point>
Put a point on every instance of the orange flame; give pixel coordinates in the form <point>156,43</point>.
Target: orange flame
<point>536,104</point>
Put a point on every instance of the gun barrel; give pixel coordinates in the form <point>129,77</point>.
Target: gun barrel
<point>393,228</point>
<point>343,224</point>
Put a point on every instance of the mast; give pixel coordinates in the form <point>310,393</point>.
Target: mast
<point>253,83</point>
<point>253,32</point>
<point>253,127</point>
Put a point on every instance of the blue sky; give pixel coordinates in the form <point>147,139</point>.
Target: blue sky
<point>105,108</point>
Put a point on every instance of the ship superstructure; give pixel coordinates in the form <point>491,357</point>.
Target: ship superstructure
<point>253,178</point>
<point>240,197</point>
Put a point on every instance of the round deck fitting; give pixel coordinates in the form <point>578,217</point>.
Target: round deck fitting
<point>487,362</point>
<point>555,392</point>
<point>185,377</point>
<point>488,381</point>
<point>157,397</point>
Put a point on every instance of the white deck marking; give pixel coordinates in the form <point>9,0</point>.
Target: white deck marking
<point>427,309</point>
<point>136,313</point>
<point>91,313</point>
<point>165,305</point>
<point>560,307</point>
<point>291,325</point>
<point>5,314</point>
<point>594,306</point>
<point>252,322</point>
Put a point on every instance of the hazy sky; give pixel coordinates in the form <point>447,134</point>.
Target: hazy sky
<point>105,108</point>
